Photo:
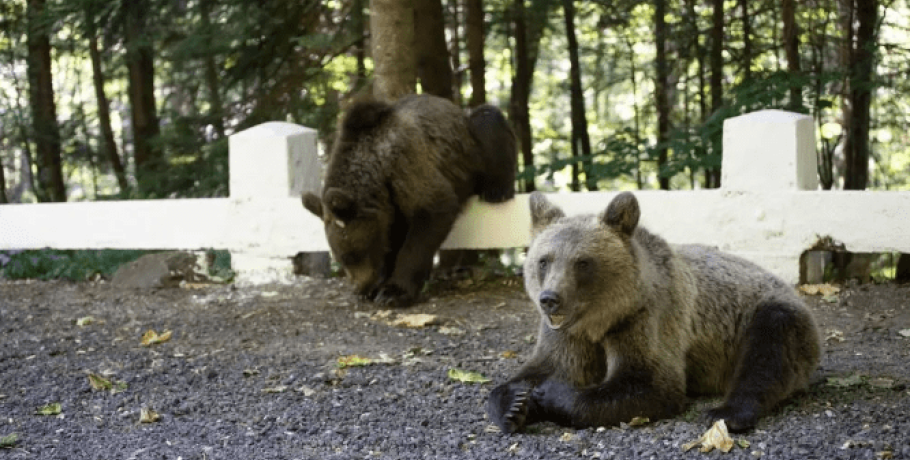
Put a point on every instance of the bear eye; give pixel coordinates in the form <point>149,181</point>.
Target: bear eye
<point>583,265</point>
<point>542,264</point>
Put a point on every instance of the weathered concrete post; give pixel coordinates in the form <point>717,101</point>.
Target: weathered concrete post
<point>268,163</point>
<point>766,152</point>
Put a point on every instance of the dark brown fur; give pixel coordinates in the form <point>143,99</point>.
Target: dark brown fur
<point>630,326</point>
<point>397,178</point>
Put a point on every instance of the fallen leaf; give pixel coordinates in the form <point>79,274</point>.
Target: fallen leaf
<point>844,382</point>
<point>278,389</point>
<point>353,361</point>
<point>49,409</point>
<point>147,415</point>
<point>467,376</point>
<point>509,354</point>
<point>835,334</point>
<point>268,294</point>
<point>566,437</point>
<point>9,441</point>
<point>819,289</point>
<point>415,321</point>
<point>882,382</point>
<point>885,455</point>
<point>250,372</point>
<point>639,421</point>
<point>454,331</point>
<point>151,337</point>
<point>743,443</point>
<point>85,321</point>
<point>717,437</point>
<point>904,332</point>
<point>307,391</point>
<point>99,383</point>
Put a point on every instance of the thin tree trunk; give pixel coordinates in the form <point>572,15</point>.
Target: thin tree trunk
<point>716,81</point>
<point>475,38</point>
<point>216,113</point>
<point>3,198</point>
<point>660,89</point>
<point>791,49</point>
<point>747,39</point>
<point>521,90</point>
<point>392,43</point>
<point>104,114</point>
<point>433,67</point>
<point>581,142</point>
<point>862,69</point>
<point>455,54</point>
<point>148,157</point>
<point>44,109</point>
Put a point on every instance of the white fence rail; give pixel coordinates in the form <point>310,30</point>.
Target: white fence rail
<point>768,209</point>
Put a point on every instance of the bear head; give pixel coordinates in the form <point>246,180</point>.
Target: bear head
<point>581,272</point>
<point>355,230</point>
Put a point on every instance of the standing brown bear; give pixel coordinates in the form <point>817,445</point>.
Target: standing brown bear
<point>398,176</point>
<point>630,325</point>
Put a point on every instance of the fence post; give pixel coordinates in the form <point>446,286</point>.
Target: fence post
<point>268,162</point>
<point>768,152</point>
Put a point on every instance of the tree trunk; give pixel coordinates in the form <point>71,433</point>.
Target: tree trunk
<point>661,88</point>
<point>216,112</point>
<point>104,114</point>
<point>455,52</point>
<point>359,25</point>
<point>148,157</point>
<point>44,110</point>
<point>3,198</point>
<point>521,91</point>
<point>716,61</point>
<point>433,67</point>
<point>861,70</point>
<point>392,43</point>
<point>581,142</point>
<point>474,36</point>
<point>747,39</point>
<point>791,49</point>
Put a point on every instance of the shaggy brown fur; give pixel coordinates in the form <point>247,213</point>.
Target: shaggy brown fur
<point>630,326</point>
<point>397,178</point>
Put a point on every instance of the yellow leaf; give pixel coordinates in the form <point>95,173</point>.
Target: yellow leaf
<point>509,354</point>
<point>717,437</point>
<point>85,321</point>
<point>819,289</point>
<point>151,337</point>
<point>467,376</point>
<point>147,415</point>
<point>98,382</point>
<point>566,437</point>
<point>50,409</point>
<point>414,321</point>
<point>9,441</point>
<point>639,421</point>
<point>353,361</point>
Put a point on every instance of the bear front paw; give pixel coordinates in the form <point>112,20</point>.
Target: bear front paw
<point>508,406</point>
<point>392,296</point>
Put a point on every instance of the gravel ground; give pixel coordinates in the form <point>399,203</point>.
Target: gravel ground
<point>250,373</point>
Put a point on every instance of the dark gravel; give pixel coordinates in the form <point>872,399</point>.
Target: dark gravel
<point>229,344</point>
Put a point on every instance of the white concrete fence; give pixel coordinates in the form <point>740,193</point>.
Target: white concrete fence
<point>769,208</point>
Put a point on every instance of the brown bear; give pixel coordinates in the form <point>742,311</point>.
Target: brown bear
<point>630,326</point>
<point>397,177</point>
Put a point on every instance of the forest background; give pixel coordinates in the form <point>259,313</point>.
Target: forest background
<point>135,98</point>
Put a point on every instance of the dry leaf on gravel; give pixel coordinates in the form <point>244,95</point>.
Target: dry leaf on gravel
<point>844,382</point>
<point>639,421</point>
<point>415,320</point>
<point>467,376</point>
<point>99,383</point>
<point>819,289</point>
<point>352,361</point>
<point>9,441</point>
<point>147,415</point>
<point>717,437</point>
<point>278,389</point>
<point>566,437</point>
<point>49,409</point>
<point>85,321</point>
<point>509,354</point>
<point>151,337</point>
<point>904,332</point>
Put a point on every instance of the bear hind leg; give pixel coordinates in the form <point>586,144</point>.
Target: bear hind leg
<point>778,353</point>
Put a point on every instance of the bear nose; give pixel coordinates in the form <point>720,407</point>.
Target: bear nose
<point>549,301</point>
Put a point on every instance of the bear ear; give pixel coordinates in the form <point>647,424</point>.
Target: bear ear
<point>363,116</point>
<point>622,213</point>
<point>312,203</point>
<point>340,203</point>
<point>543,213</point>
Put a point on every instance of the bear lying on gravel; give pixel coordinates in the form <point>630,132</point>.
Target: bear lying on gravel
<point>397,177</point>
<point>630,325</point>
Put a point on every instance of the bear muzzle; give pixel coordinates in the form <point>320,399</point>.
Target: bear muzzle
<point>550,304</point>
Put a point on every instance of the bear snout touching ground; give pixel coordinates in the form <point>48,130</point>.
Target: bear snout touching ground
<point>397,177</point>
<point>630,325</point>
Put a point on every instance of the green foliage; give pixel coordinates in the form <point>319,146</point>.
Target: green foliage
<point>46,264</point>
